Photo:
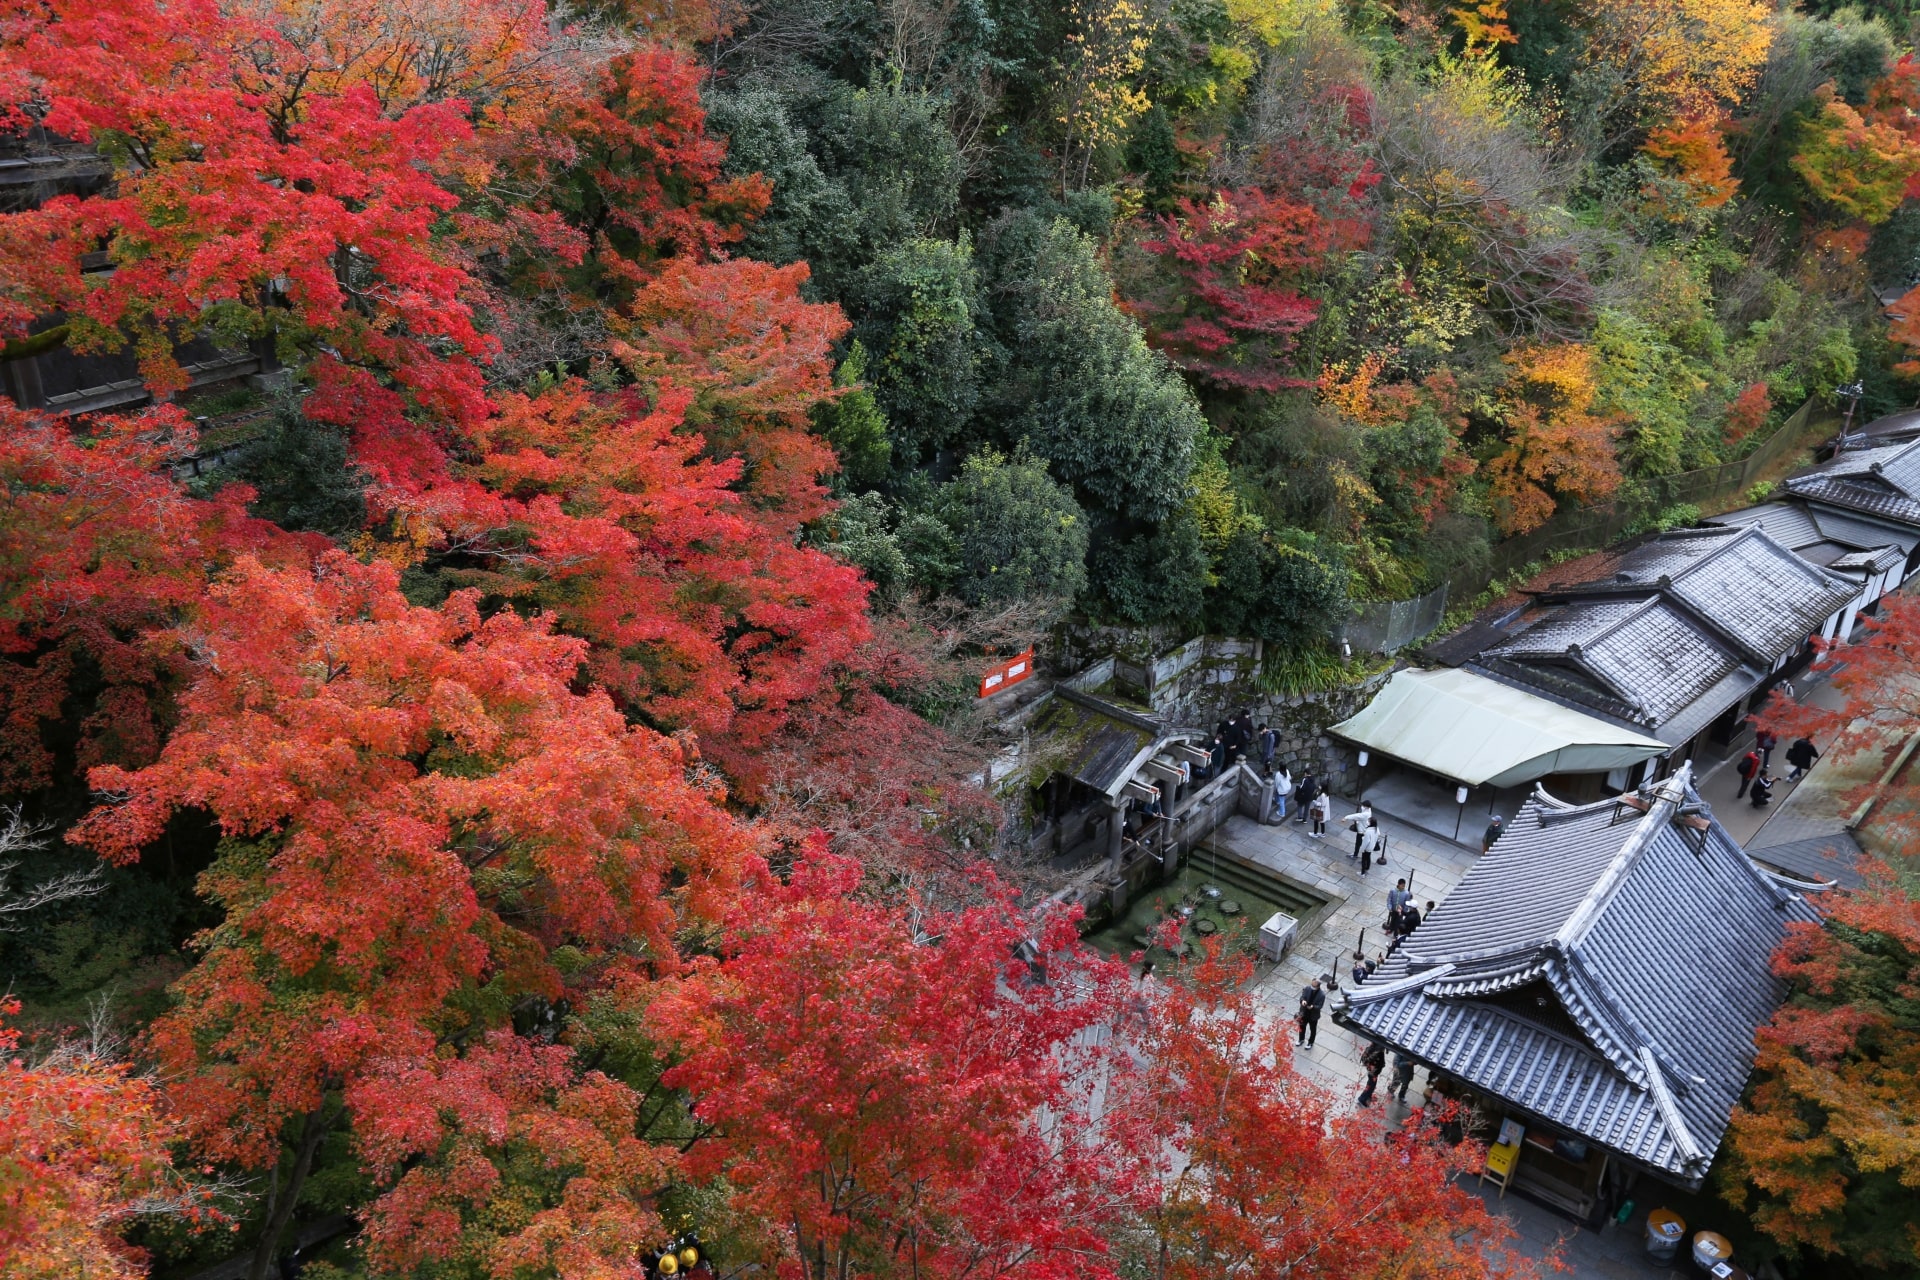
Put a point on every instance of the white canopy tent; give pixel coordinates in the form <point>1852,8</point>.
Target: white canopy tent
<point>1476,730</point>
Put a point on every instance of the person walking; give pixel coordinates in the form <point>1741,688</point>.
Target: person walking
<point>1312,1000</point>
<point>1372,840</point>
<point>1402,1078</point>
<point>1374,1059</point>
<point>1322,806</point>
<point>1282,788</point>
<point>1357,823</point>
<point>1762,790</point>
<point>1801,755</point>
<point>1765,741</point>
<point>1749,769</point>
<point>1492,833</point>
<point>1269,742</point>
<point>1304,796</point>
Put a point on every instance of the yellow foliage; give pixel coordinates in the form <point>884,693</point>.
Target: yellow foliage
<point>1105,50</point>
<point>1215,504</point>
<point>1277,21</point>
<point>1681,58</point>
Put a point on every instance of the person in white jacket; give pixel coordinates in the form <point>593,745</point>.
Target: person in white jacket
<point>1357,823</point>
<point>1282,788</point>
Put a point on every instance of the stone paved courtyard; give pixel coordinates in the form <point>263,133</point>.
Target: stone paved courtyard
<point>1355,902</point>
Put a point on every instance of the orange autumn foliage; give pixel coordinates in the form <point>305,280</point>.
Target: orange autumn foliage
<point>83,1151</point>
<point>1556,443</point>
<point>1696,152</point>
<point>1746,413</point>
<point>1860,167</point>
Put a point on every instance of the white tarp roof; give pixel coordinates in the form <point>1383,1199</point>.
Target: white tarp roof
<point>1471,729</point>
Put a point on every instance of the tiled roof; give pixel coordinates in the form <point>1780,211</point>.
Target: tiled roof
<point>1601,968</point>
<point>1787,523</point>
<point>1902,470</point>
<point>1853,532</point>
<point>1739,581</point>
<point>1876,561</point>
<point>1882,482</point>
<point>1867,494</point>
<point>1757,591</point>
<point>1645,654</point>
<point>1830,857</point>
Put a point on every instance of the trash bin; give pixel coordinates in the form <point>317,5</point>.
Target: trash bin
<point>1665,1230</point>
<point>1710,1249</point>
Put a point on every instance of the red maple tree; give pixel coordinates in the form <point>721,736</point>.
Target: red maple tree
<point>1249,1169</point>
<point>893,1095</point>
<point>419,813</point>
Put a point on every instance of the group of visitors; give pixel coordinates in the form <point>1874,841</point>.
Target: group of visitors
<point>1311,802</point>
<point>1403,917</point>
<point>1374,1057</point>
<point>1755,768</point>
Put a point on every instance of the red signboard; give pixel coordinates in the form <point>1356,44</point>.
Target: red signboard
<point>1003,675</point>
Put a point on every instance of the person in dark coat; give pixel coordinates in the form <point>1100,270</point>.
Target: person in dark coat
<point>1402,1078</point>
<point>1309,788</point>
<point>1374,1059</point>
<point>1801,756</point>
<point>1269,743</point>
<point>1359,967</point>
<point>1762,790</point>
<point>1312,1000</point>
<point>1492,833</point>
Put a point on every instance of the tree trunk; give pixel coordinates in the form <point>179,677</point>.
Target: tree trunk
<point>280,1208</point>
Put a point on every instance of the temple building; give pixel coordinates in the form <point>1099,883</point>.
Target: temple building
<point>1604,683</point>
<point>1591,989</point>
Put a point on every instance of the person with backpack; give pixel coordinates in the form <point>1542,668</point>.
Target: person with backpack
<point>1801,756</point>
<point>1749,769</point>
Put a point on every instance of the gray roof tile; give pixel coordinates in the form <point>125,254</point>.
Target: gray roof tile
<point>1787,523</point>
<point>1645,654</point>
<point>1590,942</point>
<point>1862,534</point>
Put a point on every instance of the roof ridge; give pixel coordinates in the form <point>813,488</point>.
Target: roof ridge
<point>1690,1150</point>
<point>1665,798</point>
